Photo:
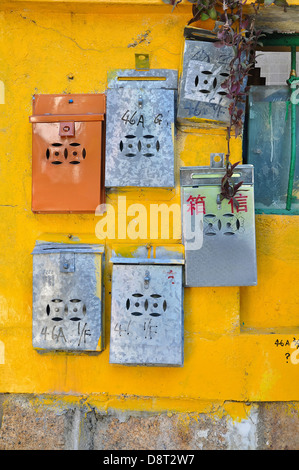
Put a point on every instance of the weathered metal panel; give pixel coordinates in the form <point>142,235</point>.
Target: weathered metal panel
<point>269,146</point>
<point>224,253</point>
<point>140,129</point>
<point>67,298</point>
<point>201,97</point>
<point>147,311</point>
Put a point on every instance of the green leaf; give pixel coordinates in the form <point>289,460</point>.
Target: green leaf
<point>212,13</point>
<point>204,17</point>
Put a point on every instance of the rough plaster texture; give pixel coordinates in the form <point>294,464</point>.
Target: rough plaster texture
<point>28,422</point>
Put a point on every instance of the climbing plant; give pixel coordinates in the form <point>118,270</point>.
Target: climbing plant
<point>235,27</point>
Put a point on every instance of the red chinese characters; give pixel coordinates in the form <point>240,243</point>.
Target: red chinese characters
<point>196,204</point>
<point>241,205</point>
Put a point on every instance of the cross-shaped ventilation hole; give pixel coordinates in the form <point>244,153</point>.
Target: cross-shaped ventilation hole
<point>228,224</point>
<point>58,310</point>
<point>132,146</point>
<point>207,82</point>
<point>153,305</point>
<point>59,153</point>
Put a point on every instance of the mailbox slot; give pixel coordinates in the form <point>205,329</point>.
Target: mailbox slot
<point>67,153</point>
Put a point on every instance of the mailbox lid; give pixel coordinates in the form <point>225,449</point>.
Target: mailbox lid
<point>147,254</point>
<point>147,315</point>
<point>72,104</point>
<point>67,297</point>
<point>226,255</point>
<point>67,153</point>
<point>140,130</point>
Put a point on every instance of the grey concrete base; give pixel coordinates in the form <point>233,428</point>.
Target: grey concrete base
<point>30,422</point>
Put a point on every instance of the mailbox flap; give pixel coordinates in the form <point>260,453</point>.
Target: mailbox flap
<point>53,247</point>
<point>206,176</point>
<point>147,254</point>
<point>66,118</point>
<point>154,78</point>
<point>68,104</point>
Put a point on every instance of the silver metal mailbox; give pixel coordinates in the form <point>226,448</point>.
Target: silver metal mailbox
<point>201,97</point>
<point>219,238</point>
<point>147,308</point>
<point>140,129</point>
<point>67,297</point>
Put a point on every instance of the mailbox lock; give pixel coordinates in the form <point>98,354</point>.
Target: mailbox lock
<point>140,102</point>
<point>147,279</point>
<point>66,128</point>
<point>65,265</point>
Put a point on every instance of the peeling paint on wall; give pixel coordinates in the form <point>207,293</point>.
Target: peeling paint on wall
<point>142,38</point>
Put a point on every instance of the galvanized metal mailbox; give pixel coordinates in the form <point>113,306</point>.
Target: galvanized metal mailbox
<point>140,128</point>
<point>147,307</point>
<point>219,237</point>
<point>201,96</point>
<point>67,152</point>
<point>67,297</point>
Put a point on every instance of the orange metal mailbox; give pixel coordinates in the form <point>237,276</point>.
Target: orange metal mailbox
<point>68,152</point>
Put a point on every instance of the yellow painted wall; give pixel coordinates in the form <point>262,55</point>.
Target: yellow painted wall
<point>230,333</point>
